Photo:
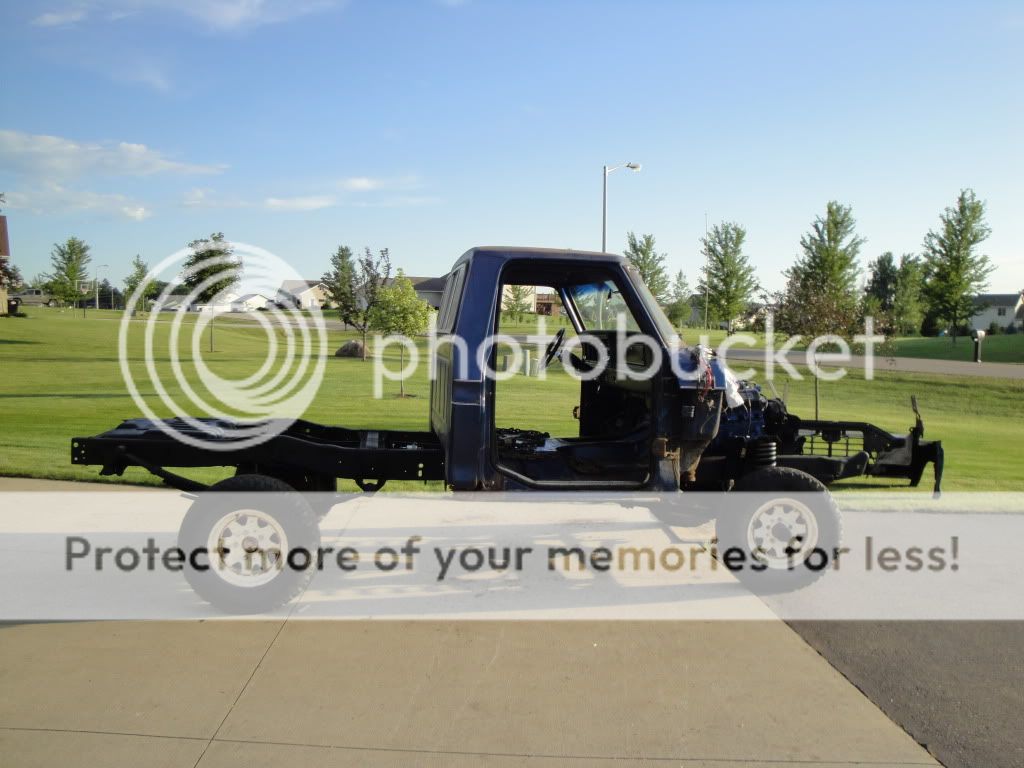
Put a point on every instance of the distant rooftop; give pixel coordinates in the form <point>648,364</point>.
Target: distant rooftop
<point>998,299</point>
<point>291,286</point>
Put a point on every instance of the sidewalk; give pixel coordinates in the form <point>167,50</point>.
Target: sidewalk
<point>432,694</point>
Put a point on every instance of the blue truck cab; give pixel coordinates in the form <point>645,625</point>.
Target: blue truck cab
<point>640,424</point>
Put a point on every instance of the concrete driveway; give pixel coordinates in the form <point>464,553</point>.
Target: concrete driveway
<point>431,693</point>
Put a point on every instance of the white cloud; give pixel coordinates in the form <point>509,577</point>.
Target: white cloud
<point>222,15</point>
<point>354,192</point>
<point>57,157</point>
<point>399,201</point>
<point>50,197</point>
<point>303,203</point>
<point>204,197</point>
<point>44,164</point>
<point>59,18</point>
<point>237,14</point>
<point>360,184</point>
<point>372,184</point>
<point>137,212</point>
<point>145,73</point>
<point>197,197</point>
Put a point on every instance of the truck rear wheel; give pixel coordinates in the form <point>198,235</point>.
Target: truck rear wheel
<point>252,554</point>
<point>786,537</point>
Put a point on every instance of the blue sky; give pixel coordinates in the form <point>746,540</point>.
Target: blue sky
<point>428,127</point>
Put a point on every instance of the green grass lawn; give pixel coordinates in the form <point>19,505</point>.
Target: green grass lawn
<point>994,349</point>
<point>59,378</point>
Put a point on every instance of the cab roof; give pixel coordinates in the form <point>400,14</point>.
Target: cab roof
<point>512,252</point>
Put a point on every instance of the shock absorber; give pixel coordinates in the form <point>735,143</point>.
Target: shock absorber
<point>763,452</point>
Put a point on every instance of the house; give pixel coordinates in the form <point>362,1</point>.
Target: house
<point>549,304</point>
<point>171,303</point>
<point>1003,309</point>
<point>302,294</point>
<point>429,289</point>
<point>222,303</point>
<point>250,302</point>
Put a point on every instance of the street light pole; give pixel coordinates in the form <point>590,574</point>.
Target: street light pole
<point>635,167</point>
<point>707,273</point>
<point>604,211</point>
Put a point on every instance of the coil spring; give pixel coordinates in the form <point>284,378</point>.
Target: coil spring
<point>764,452</point>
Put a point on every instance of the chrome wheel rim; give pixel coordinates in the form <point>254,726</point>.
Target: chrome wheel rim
<point>247,548</point>
<point>782,533</point>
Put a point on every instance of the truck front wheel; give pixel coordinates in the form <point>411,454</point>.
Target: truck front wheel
<point>246,553</point>
<point>780,531</point>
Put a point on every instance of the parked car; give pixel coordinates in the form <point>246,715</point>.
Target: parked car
<point>35,297</point>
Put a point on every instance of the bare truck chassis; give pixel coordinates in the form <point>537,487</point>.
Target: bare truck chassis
<point>665,433</point>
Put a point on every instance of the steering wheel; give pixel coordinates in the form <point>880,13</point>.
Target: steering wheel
<point>553,346</point>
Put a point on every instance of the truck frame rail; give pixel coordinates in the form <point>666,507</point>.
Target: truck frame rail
<point>307,455</point>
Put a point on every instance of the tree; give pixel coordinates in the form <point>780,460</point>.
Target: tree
<point>953,269</point>
<point>10,275</point>
<point>398,310</point>
<point>340,284</point>
<point>640,252</point>
<point>820,295</point>
<point>3,199</point>
<point>678,308</point>
<point>907,305</point>
<point>803,308</point>
<point>42,281</point>
<point>892,295</point>
<point>70,261</point>
<point>210,269</point>
<point>354,287</point>
<point>135,278</point>
<point>517,301</point>
<point>109,296</point>
<point>178,289</point>
<point>728,281</point>
<point>882,276</point>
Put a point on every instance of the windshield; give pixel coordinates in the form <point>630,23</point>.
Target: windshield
<point>668,332</point>
<point>600,304</point>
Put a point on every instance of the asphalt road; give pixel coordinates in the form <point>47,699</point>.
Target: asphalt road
<point>901,364</point>
<point>955,687</point>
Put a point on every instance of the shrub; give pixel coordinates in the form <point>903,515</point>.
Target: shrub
<point>930,325</point>
<point>994,328</point>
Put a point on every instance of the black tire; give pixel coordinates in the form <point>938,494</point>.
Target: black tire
<point>810,523</point>
<point>276,530</point>
<point>51,303</point>
<point>321,487</point>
